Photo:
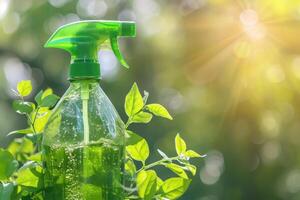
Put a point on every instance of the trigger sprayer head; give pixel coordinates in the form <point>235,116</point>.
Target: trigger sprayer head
<point>83,40</point>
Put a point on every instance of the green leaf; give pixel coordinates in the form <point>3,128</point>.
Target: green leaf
<point>24,88</point>
<point>38,97</point>
<point>146,184</point>
<point>47,92</point>
<point>133,101</point>
<point>29,175</point>
<point>139,151</point>
<point>132,138</point>
<point>6,190</point>
<point>159,110</point>
<point>192,169</point>
<point>20,147</point>
<point>130,167</point>
<point>192,154</point>
<point>36,157</point>
<point>180,145</point>
<point>22,131</point>
<point>142,117</point>
<point>22,107</point>
<point>41,119</point>
<point>8,164</point>
<point>159,183</point>
<point>177,169</point>
<point>162,154</point>
<point>49,101</point>
<point>173,188</point>
<point>42,95</point>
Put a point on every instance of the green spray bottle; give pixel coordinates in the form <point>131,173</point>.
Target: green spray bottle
<point>84,139</point>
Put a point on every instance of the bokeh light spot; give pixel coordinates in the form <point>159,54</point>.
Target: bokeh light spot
<point>15,71</point>
<point>214,166</point>
<point>11,23</point>
<point>293,181</point>
<point>92,8</point>
<point>4,5</point>
<point>58,3</point>
<point>109,65</point>
<point>270,124</point>
<point>251,25</point>
<point>249,17</point>
<point>270,151</point>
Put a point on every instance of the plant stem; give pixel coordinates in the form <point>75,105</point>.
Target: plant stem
<point>128,123</point>
<point>36,113</point>
<point>159,162</point>
<point>28,117</point>
<point>32,122</point>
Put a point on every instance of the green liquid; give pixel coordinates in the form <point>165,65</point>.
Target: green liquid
<point>87,172</point>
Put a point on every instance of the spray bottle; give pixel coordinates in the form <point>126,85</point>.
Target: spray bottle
<point>83,142</point>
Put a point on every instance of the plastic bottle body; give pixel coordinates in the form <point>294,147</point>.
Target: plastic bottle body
<point>83,146</point>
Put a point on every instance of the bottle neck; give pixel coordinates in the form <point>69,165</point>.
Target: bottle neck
<point>81,81</point>
<point>84,83</point>
<point>84,69</point>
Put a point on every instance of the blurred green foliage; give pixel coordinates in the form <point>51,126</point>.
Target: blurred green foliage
<point>227,70</point>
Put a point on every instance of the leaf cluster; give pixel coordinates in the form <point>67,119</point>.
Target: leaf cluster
<point>145,183</point>
<point>21,168</point>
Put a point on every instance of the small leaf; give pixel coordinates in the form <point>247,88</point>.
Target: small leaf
<point>22,107</point>
<point>24,88</point>
<point>162,154</point>
<point>145,97</point>
<point>132,138</point>
<point>22,131</point>
<point>6,190</point>
<point>41,119</point>
<point>42,95</point>
<point>159,183</point>
<point>159,110</point>
<point>142,117</point>
<point>139,151</point>
<point>130,167</point>
<point>174,188</point>
<point>146,184</point>
<point>21,146</point>
<point>8,164</point>
<point>177,169</point>
<point>192,169</point>
<point>47,92</point>
<point>29,175</point>
<point>133,101</point>
<point>38,97</point>
<point>192,154</point>
<point>180,145</point>
<point>36,157</point>
<point>49,101</point>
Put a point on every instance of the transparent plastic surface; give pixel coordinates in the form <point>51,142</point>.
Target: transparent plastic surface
<point>77,167</point>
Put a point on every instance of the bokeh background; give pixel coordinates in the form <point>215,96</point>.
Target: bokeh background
<point>228,70</point>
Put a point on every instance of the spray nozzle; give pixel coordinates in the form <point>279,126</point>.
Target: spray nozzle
<point>83,40</point>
